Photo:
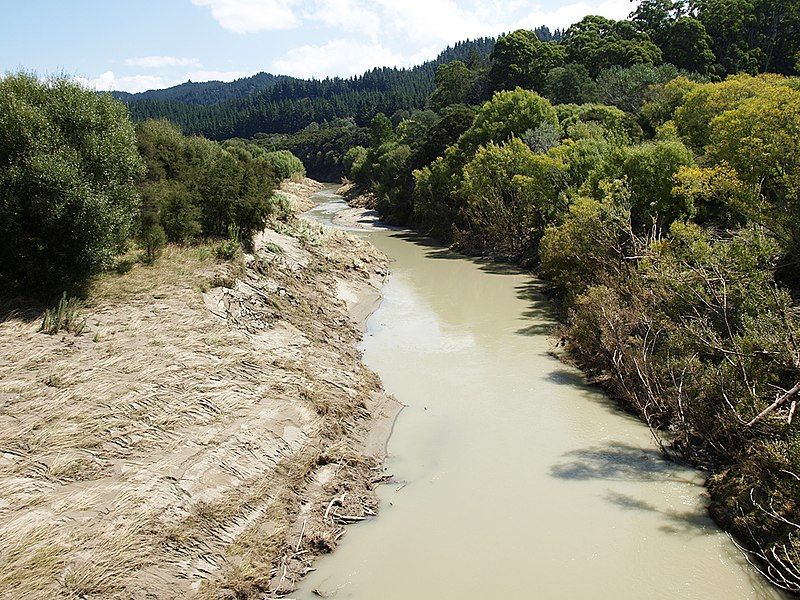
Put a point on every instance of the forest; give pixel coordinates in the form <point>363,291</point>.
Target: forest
<point>648,170</point>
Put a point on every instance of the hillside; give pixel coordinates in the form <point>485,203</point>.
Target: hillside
<point>267,103</point>
<point>205,93</point>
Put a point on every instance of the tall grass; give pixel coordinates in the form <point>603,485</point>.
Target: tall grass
<point>64,317</point>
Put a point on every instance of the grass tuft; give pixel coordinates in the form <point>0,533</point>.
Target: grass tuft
<point>64,317</point>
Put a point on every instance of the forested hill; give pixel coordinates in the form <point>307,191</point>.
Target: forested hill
<point>281,104</point>
<point>205,93</point>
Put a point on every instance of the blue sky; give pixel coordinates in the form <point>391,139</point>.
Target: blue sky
<point>136,45</point>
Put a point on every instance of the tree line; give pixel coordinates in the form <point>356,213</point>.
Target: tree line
<point>651,176</point>
<point>80,184</point>
<point>270,104</point>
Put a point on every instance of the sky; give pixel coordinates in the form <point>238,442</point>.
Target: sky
<point>136,45</point>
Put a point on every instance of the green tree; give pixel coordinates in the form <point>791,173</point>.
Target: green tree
<point>381,129</point>
<point>599,43</point>
<point>687,45</point>
<point>520,59</point>
<point>570,84</point>
<point>68,161</point>
<point>454,82</point>
<point>511,194</point>
<point>627,88</point>
<point>648,172</point>
<point>508,113</point>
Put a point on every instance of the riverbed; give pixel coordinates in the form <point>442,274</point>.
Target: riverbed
<point>513,478</point>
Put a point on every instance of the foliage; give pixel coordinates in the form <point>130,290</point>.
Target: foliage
<point>454,82</point>
<point>67,197</point>
<point>286,105</point>
<point>570,84</point>
<point>65,316</point>
<point>648,172</point>
<point>201,189</point>
<point>510,195</point>
<point>599,43</point>
<point>520,59</point>
<point>321,148</point>
<point>626,88</point>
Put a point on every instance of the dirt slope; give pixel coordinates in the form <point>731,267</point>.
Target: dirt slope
<point>189,442</point>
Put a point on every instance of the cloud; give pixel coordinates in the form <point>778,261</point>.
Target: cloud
<point>339,57</point>
<point>250,16</point>
<point>160,62</point>
<point>448,21</point>
<point>564,16</point>
<point>108,82</point>
<point>346,14</point>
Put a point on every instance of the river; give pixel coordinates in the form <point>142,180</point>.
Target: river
<point>515,479</point>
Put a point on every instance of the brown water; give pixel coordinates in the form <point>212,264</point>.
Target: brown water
<point>520,481</point>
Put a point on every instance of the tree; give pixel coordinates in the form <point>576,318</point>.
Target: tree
<point>381,129</point>
<point>648,172</point>
<point>655,18</point>
<point>626,88</point>
<point>599,43</point>
<point>520,59</point>
<point>687,45</point>
<point>731,25</point>
<point>68,161</point>
<point>510,194</point>
<point>752,35</point>
<point>570,84</point>
<point>508,113</point>
<point>454,82</point>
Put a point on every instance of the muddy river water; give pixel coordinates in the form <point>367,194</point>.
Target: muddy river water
<point>515,479</point>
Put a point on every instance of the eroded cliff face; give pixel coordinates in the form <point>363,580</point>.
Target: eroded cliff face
<point>210,430</point>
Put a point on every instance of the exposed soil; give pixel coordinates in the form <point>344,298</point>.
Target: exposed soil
<point>210,430</point>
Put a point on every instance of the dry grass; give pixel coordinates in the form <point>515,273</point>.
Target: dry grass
<point>167,449</point>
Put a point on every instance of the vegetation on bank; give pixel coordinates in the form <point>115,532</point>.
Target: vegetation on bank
<point>79,184</point>
<point>660,202</point>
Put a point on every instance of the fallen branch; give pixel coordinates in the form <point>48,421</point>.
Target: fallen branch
<point>775,404</point>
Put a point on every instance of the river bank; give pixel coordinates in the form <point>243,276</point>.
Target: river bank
<point>209,431</point>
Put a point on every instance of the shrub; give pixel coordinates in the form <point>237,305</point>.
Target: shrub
<point>68,161</point>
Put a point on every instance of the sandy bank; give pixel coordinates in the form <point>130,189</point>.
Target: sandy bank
<point>209,432</point>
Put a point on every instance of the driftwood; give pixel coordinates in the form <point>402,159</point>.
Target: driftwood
<point>339,500</point>
<point>775,404</point>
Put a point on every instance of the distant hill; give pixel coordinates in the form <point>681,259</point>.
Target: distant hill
<point>266,103</point>
<point>206,93</point>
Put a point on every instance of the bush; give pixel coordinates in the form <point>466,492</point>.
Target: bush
<point>201,188</point>
<point>285,164</point>
<point>68,202</point>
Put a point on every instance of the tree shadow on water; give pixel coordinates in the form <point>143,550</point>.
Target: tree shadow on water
<point>620,462</point>
<point>688,522</point>
<point>563,376</point>
<point>616,461</point>
<point>539,310</point>
<point>438,251</point>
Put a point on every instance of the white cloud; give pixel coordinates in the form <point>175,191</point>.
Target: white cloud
<point>339,57</point>
<point>564,16</point>
<point>160,62</point>
<point>434,20</point>
<point>250,16</point>
<point>108,82</point>
<point>346,14</point>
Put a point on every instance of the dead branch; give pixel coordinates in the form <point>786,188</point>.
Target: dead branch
<point>775,404</point>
